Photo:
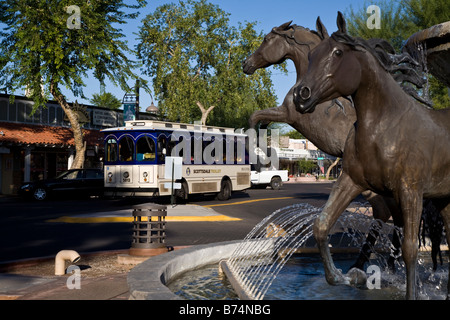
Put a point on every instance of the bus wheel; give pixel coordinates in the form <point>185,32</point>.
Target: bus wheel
<point>225,190</point>
<point>183,193</point>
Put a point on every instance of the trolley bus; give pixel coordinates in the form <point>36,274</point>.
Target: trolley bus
<point>214,159</point>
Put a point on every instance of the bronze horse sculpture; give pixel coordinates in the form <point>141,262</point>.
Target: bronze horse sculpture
<point>327,128</point>
<point>295,43</point>
<point>397,148</point>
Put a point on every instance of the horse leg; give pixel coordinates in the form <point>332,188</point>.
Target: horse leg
<point>396,213</point>
<point>277,114</point>
<point>380,212</point>
<point>445,213</point>
<point>433,226</point>
<point>411,204</point>
<point>383,209</point>
<point>344,191</point>
<point>397,244</point>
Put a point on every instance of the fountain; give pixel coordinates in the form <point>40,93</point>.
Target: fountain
<point>252,265</point>
<point>279,247</point>
<point>278,260</point>
<point>285,232</point>
<point>436,44</point>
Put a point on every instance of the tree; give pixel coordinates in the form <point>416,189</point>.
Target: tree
<point>106,100</point>
<point>393,27</point>
<point>424,14</point>
<point>294,134</point>
<point>306,165</point>
<point>334,164</point>
<point>194,57</point>
<point>53,44</point>
<point>400,19</point>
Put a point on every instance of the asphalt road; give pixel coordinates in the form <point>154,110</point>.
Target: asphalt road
<point>25,232</point>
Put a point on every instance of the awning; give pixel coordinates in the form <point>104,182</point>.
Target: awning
<point>30,134</point>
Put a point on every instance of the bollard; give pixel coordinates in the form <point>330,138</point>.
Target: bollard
<point>149,229</point>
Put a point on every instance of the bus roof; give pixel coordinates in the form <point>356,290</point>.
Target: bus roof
<point>162,125</point>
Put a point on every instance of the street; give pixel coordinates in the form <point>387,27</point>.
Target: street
<point>25,231</point>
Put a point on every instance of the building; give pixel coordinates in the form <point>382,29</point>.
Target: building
<point>40,145</point>
<point>291,151</point>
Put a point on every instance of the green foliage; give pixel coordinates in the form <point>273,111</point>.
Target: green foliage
<point>424,14</point>
<point>306,165</point>
<point>294,134</point>
<point>400,19</point>
<point>39,49</point>
<point>439,94</point>
<point>393,25</point>
<point>193,55</point>
<point>106,100</point>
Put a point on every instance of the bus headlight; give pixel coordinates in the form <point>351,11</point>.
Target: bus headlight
<point>110,176</point>
<point>145,175</point>
<point>126,177</point>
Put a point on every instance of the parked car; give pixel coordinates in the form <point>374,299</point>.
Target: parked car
<point>75,181</point>
<point>272,178</point>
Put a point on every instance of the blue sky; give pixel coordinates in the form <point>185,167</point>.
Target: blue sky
<point>267,13</point>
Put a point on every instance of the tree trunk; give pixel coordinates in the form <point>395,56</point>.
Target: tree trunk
<point>331,167</point>
<point>80,145</point>
<point>205,112</point>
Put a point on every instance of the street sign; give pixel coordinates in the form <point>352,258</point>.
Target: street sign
<point>173,165</point>
<point>129,112</point>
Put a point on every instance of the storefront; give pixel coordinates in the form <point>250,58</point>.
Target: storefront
<point>36,152</point>
<point>41,146</point>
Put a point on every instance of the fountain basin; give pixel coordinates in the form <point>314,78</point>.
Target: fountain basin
<point>255,262</point>
<point>148,280</point>
<point>280,234</point>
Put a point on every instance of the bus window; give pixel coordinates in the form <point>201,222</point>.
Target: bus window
<point>111,150</point>
<point>126,149</point>
<point>145,149</point>
<point>162,149</point>
<point>171,148</point>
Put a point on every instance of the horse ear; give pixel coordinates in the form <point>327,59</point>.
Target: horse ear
<point>341,24</point>
<point>321,30</point>
<point>284,26</point>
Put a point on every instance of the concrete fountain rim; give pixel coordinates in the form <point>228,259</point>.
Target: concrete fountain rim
<point>147,281</point>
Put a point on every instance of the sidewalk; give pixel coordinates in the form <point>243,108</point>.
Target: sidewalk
<point>16,286</point>
<point>105,276</point>
<point>308,180</point>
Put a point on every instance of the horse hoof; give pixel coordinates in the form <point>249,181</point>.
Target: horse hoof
<point>336,278</point>
<point>357,277</point>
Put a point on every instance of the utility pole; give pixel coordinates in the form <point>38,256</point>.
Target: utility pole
<point>137,98</point>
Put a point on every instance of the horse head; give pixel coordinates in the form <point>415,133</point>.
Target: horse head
<point>333,71</point>
<point>279,44</point>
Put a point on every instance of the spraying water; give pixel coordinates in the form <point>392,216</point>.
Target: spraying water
<point>263,265</point>
<point>257,261</point>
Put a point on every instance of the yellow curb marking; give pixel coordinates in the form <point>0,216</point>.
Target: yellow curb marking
<point>131,219</point>
<point>168,218</point>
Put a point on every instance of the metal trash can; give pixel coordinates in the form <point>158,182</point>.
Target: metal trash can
<point>149,226</point>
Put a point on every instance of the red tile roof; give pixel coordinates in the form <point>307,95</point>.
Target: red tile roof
<point>21,133</point>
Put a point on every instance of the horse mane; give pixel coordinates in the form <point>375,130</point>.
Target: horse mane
<point>402,67</point>
<point>291,36</point>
